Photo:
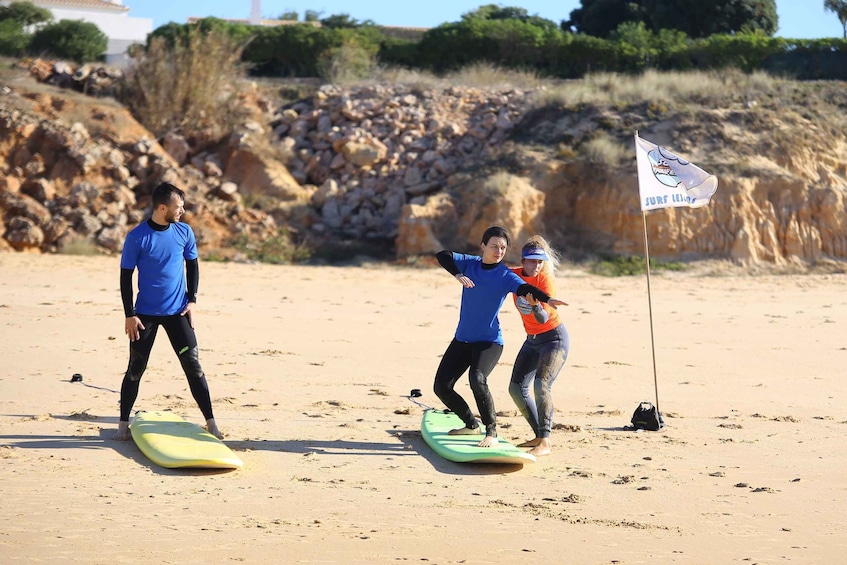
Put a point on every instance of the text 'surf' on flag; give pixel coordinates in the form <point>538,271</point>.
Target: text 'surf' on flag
<point>667,180</point>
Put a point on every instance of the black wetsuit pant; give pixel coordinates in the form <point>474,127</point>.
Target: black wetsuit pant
<point>480,357</point>
<point>184,342</point>
<point>540,359</point>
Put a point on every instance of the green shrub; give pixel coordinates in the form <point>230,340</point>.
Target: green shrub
<point>25,14</point>
<point>745,51</point>
<point>296,50</point>
<point>577,55</point>
<point>70,39</point>
<point>397,52</point>
<point>509,43</point>
<point>174,33</point>
<point>13,39</point>
<point>620,266</point>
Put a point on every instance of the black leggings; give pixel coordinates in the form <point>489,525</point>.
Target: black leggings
<point>184,342</point>
<point>480,357</point>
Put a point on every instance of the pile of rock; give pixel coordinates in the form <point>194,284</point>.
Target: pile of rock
<point>353,159</point>
<point>91,78</point>
<point>364,152</point>
<point>59,184</point>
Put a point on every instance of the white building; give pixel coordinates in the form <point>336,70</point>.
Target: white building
<point>111,16</point>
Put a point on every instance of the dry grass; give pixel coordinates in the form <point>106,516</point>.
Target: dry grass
<point>9,70</point>
<point>655,87</point>
<point>486,75</point>
<point>346,65</point>
<point>286,90</point>
<point>497,185</point>
<point>79,246</point>
<point>189,86</point>
<point>420,80</point>
<point>603,149</point>
<point>478,75</point>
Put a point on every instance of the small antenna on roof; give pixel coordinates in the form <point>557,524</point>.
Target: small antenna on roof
<point>256,13</point>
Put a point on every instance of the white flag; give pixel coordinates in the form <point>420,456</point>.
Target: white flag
<point>667,180</point>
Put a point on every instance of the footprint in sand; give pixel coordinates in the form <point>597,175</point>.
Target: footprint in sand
<point>567,427</point>
<point>571,498</point>
<point>764,489</point>
<point>84,415</point>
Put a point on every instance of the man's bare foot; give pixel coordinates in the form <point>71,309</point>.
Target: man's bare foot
<point>465,432</point>
<point>544,447</point>
<point>212,428</point>
<point>488,441</point>
<point>530,443</point>
<point>123,431</point>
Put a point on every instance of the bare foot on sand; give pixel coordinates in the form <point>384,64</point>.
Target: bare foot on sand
<point>488,441</point>
<point>543,448</point>
<point>464,432</point>
<point>212,428</point>
<point>530,443</point>
<point>123,431</point>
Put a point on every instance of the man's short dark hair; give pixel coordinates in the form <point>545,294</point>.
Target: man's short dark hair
<point>162,194</point>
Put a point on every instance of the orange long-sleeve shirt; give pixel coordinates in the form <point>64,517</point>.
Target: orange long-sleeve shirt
<point>544,282</point>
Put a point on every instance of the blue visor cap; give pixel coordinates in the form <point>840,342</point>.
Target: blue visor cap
<point>535,253</point>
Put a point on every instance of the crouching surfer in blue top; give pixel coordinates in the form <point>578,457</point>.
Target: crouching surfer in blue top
<point>165,253</point>
<point>478,342</point>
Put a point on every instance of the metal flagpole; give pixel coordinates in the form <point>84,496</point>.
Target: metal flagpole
<point>650,308</point>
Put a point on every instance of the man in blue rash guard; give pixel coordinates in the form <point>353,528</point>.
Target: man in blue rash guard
<point>165,253</point>
<point>478,342</point>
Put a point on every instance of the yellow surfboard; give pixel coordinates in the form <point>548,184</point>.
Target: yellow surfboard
<point>172,442</point>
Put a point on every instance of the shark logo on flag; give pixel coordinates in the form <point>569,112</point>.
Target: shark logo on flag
<point>667,180</point>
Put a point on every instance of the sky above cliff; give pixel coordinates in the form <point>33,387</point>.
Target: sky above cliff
<point>798,19</point>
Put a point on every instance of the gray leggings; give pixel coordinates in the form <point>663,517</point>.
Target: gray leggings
<point>541,358</point>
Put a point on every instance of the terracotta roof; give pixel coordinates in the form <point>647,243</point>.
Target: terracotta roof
<point>195,19</point>
<point>404,28</point>
<point>91,4</point>
<point>270,23</point>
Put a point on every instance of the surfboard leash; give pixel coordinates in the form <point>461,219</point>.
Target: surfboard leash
<point>416,393</point>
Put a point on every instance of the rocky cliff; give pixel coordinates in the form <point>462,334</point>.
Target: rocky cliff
<point>429,167</point>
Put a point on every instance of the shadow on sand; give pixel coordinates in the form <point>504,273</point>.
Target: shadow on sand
<point>404,443</point>
<point>103,440</point>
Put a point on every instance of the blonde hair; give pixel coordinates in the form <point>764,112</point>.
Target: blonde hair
<point>538,242</point>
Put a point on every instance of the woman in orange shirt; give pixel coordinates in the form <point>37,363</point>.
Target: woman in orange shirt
<point>545,350</point>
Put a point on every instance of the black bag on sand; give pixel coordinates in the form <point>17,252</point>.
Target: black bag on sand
<point>647,417</point>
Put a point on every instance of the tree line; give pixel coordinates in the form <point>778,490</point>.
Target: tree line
<point>601,35</point>
<point>28,29</point>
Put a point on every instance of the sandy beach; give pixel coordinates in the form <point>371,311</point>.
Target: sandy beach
<point>309,369</point>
